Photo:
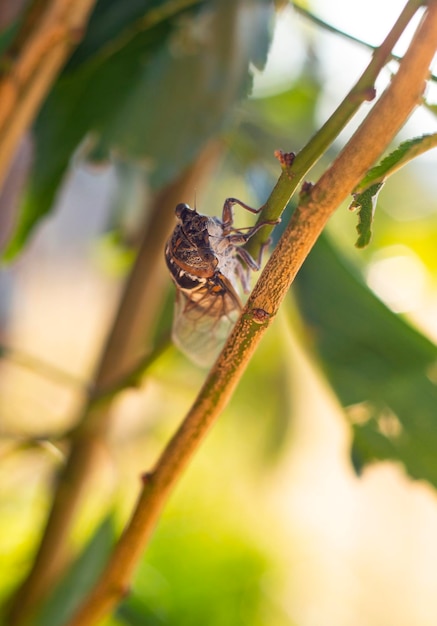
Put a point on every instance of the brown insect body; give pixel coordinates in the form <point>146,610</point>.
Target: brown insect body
<point>205,258</point>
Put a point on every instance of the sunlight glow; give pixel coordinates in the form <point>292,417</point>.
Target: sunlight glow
<point>400,280</point>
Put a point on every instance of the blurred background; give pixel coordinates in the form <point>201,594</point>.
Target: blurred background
<point>313,500</point>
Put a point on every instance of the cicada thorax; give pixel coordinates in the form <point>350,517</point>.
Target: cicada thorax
<point>189,247</point>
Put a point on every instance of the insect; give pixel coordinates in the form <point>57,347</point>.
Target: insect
<point>207,263</point>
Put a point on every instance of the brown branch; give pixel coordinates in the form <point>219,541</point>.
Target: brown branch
<point>51,34</point>
<point>316,206</point>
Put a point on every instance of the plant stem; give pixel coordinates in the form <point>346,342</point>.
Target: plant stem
<point>317,205</point>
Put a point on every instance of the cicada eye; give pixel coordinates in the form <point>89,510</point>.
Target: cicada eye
<point>181,208</point>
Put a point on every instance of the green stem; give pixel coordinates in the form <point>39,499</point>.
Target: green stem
<point>337,31</point>
<point>332,29</point>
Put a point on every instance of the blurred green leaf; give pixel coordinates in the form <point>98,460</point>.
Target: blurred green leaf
<point>155,96</point>
<point>264,119</point>
<point>6,38</point>
<point>378,365</point>
<point>113,24</point>
<point>79,579</point>
<point>191,576</point>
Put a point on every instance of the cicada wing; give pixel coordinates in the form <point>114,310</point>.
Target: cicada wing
<point>202,322</point>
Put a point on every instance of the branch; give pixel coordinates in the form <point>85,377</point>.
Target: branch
<point>308,221</point>
<point>51,31</point>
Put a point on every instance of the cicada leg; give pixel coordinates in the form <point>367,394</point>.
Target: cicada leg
<point>228,221</point>
<point>251,264</point>
<point>239,238</point>
<point>228,214</point>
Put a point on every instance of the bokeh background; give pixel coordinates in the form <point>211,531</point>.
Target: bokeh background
<point>275,521</point>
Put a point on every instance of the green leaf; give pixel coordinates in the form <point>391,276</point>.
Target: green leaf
<point>7,36</point>
<point>366,193</point>
<point>403,154</point>
<point>155,96</point>
<point>77,582</point>
<point>191,577</point>
<point>113,24</point>
<point>379,366</point>
<point>365,202</point>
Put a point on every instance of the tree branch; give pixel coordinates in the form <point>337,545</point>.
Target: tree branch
<point>316,206</point>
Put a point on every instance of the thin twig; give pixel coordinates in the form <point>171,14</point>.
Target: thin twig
<point>362,91</point>
<point>317,205</point>
<point>42,368</point>
<point>333,29</point>
<point>337,31</point>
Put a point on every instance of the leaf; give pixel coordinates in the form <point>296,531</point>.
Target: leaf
<point>7,36</point>
<point>79,579</point>
<point>113,24</point>
<point>366,193</point>
<point>379,366</point>
<point>206,578</point>
<point>156,96</point>
<point>365,202</point>
<point>404,153</point>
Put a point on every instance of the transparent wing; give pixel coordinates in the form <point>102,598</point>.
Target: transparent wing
<point>202,321</point>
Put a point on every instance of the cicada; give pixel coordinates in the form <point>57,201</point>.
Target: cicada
<point>208,264</point>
